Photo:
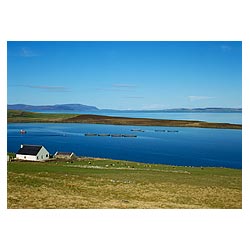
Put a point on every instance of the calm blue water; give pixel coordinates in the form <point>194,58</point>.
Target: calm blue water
<point>188,147</point>
<point>227,117</point>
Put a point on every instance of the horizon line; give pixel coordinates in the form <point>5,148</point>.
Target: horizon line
<point>129,109</point>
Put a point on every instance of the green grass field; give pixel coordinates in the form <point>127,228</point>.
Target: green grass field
<point>104,183</point>
<point>23,116</point>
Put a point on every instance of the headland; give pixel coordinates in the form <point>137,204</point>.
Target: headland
<point>15,116</point>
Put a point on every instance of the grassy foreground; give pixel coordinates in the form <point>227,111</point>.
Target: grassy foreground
<point>22,116</point>
<point>104,183</point>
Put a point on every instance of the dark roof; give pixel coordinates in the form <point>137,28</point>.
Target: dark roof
<point>29,150</point>
<point>64,153</point>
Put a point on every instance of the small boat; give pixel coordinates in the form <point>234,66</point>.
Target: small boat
<point>23,131</point>
<point>174,131</point>
<point>160,130</point>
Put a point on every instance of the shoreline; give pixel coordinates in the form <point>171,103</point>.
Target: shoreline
<point>91,158</point>
<point>15,116</point>
<point>79,158</point>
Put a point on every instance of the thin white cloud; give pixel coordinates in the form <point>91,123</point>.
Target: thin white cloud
<point>26,52</point>
<point>226,48</point>
<point>134,97</point>
<point>194,98</point>
<point>45,87</point>
<point>119,85</point>
<point>111,89</point>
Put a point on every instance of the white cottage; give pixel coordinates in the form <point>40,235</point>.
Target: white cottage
<point>32,153</point>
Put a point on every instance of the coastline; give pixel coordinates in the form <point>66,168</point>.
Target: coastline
<point>15,116</point>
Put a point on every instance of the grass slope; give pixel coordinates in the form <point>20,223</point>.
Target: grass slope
<point>22,116</point>
<point>103,183</point>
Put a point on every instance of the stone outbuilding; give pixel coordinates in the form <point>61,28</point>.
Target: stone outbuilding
<point>65,155</point>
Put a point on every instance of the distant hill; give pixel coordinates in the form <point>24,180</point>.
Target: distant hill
<point>180,110</point>
<point>206,110</point>
<point>86,108</point>
<point>18,116</point>
<point>58,107</point>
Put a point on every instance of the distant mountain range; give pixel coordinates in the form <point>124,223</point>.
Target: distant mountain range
<point>86,108</point>
<point>57,107</point>
<point>180,110</point>
<point>208,110</point>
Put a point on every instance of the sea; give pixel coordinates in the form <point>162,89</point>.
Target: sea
<point>162,145</point>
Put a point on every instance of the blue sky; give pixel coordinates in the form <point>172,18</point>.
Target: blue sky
<point>126,75</point>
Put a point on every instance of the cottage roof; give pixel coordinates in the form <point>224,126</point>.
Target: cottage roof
<point>29,149</point>
<point>64,153</point>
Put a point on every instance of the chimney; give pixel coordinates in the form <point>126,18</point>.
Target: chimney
<point>21,145</point>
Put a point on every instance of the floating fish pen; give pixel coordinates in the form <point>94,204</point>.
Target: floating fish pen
<point>90,134</point>
<point>116,135</point>
<point>137,130</point>
<point>112,135</point>
<point>173,131</point>
<point>129,135</point>
<point>160,130</point>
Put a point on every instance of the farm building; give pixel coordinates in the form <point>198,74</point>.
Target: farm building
<point>64,155</point>
<point>32,153</point>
